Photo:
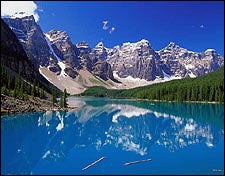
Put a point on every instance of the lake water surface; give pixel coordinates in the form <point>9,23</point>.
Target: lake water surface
<point>179,138</point>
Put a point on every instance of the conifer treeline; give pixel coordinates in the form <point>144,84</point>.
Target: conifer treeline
<point>63,97</point>
<point>203,88</point>
<point>15,86</point>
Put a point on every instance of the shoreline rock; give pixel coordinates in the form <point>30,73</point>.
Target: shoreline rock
<point>11,105</point>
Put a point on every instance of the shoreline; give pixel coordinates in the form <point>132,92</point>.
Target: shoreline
<point>138,99</point>
<point>13,106</point>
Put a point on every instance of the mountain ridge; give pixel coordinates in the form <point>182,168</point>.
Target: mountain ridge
<point>126,66</point>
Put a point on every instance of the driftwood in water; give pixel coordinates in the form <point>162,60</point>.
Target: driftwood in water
<point>217,170</point>
<point>93,163</point>
<point>139,161</point>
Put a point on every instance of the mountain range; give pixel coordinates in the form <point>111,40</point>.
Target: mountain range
<point>78,66</point>
<point>15,59</point>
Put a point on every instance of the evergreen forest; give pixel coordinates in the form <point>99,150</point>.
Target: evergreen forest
<point>208,88</point>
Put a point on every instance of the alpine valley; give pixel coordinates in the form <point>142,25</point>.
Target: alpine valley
<point>75,67</point>
<point>71,108</point>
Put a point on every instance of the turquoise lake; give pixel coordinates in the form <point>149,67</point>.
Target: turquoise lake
<point>179,138</point>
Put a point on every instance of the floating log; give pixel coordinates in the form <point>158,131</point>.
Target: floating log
<point>217,170</point>
<point>93,163</point>
<point>139,161</point>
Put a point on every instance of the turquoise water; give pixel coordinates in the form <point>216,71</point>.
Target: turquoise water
<point>179,138</point>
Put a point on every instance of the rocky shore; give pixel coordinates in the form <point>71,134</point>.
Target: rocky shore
<point>11,105</point>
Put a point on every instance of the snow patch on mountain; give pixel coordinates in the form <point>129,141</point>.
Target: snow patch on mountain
<point>19,15</point>
<point>192,75</point>
<point>209,50</point>
<point>130,80</point>
<point>189,66</point>
<point>62,66</point>
<point>62,82</point>
<point>50,46</point>
<point>166,75</point>
<point>48,37</point>
<point>60,62</point>
<point>166,78</point>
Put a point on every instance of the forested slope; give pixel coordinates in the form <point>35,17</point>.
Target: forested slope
<point>209,87</point>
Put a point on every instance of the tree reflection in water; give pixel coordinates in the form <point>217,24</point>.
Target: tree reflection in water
<point>129,125</point>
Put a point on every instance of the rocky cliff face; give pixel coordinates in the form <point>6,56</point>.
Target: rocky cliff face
<point>15,58</point>
<point>137,62</point>
<point>33,40</point>
<point>65,51</point>
<point>180,62</point>
<point>55,50</point>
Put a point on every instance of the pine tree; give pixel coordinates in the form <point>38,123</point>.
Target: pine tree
<point>42,94</point>
<point>35,88</point>
<point>21,91</point>
<point>212,94</point>
<point>38,90</point>
<point>61,100</point>
<point>53,96</point>
<point>4,90</point>
<point>64,98</point>
<point>29,90</point>
<point>9,82</point>
<point>32,91</point>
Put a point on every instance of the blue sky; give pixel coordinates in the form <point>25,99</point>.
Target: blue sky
<point>195,26</point>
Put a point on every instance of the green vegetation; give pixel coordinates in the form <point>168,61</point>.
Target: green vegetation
<point>63,97</point>
<point>208,87</point>
<point>81,80</point>
<point>14,85</point>
<point>98,81</point>
<point>53,96</point>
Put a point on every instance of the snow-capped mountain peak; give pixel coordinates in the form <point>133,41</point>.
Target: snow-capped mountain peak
<point>172,43</point>
<point>144,41</point>
<point>19,15</point>
<point>58,35</point>
<point>100,44</point>
<point>55,52</point>
<point>210,50</point>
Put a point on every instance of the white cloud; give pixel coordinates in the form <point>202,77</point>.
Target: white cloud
<point>202,26</point>
<point>112,29</point>
<point>9,8</point>
<point>105,25</point>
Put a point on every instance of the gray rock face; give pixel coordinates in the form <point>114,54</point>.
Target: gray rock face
<point>63,47</point>
<point>95,61</point>
<point>100,51</point>
<point>103,70</point>
<point>33,40</point>
<point>180,62</point>
<point>83,48</point>
<point>138,60</point>
<point>56,46</point>
<point>15,58</point>
<point>71,72</point>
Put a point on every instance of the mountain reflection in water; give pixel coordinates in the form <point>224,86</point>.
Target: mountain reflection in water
<point>133,126</point>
